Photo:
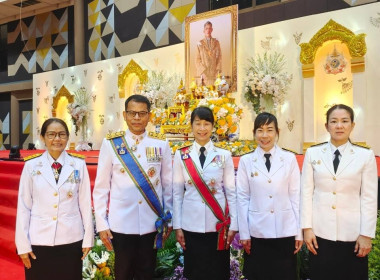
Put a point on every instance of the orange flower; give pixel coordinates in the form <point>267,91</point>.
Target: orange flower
<point>233,128</point>
<point>229,120</point>
<point>106,271</point>
<point>219,131</point>
<point>221,122</point>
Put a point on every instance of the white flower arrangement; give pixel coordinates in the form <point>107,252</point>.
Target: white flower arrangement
<point>266,81</point>
<point>160,89</point>
<point>79,109</point>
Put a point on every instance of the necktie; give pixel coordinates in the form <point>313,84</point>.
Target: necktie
<point>202,157</point>
<point>56,169</point>
<point>336,160</point>
<point>267,161</point>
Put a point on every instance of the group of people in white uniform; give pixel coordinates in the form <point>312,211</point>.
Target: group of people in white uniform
<point>141,194</point>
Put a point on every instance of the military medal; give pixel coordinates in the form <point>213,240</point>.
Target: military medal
<point>121,151</point>
<point>157,182</point>
<point>76,176</point>
<point>213,191</point>
<point>134,148</point>
<point>151,172</point>
<point>212,182</point>
<point>56,174</point>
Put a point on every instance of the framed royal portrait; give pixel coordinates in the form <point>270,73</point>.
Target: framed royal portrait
<point>210,47</point>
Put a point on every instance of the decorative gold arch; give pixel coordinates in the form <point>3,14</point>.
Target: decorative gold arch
<point>63,92</point>
<point>334,31</point>
<point>131,68</point>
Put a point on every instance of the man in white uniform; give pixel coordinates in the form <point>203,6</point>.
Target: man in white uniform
<point>136,190</point>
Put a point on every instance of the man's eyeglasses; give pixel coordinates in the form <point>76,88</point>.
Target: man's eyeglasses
<point>51,135</point>
<point>141,114</point>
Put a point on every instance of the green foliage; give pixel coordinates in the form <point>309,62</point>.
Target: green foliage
<point>254,98</point>
<point>374,256</point>
<point>168,257</point>
<point>268,63</point>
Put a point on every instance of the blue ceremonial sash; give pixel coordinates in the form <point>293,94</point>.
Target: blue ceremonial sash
<point>143,184</point>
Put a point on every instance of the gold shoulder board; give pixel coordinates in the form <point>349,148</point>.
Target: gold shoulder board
<point>32,156</point>
<point>288,150</point>
<point>157,135</point>
<point>361,145</point>
<point>115,135</point>
<point>318,144</point>
<point>77,155</point>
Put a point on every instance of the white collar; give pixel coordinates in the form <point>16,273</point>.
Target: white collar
<point>208,146</point>
<point>60,159</point>
<point>341,148</point>
<point>129,134</point>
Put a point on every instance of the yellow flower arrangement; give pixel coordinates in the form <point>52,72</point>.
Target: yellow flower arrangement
<point>227,113</point>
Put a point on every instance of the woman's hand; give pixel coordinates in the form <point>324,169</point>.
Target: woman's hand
<point>298,246</point>
<point>180,238</point>
<point>26,260</point>
<point>363,246</point>
<point>230,236</point>
<point>310,240</point>
<point>246,245</point>
<point>106,236</point>
<point>85,252</point>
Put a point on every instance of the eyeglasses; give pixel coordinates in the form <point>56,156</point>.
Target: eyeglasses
<point>141,114</point>
<point>51,135</point>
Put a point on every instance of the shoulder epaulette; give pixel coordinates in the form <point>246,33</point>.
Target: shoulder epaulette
<point>246,153</point>
<point>184,146</point>
<point>288,150</point>
<point>77,155</point>
<point>32,156</point>
<point>361,145</point>
<point>115,135</point>
<point>157,135</point>
<point>216,144</point>
<point>315,145</point>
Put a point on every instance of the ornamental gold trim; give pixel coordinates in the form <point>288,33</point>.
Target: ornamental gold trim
<point>131,68</point>
<point>333,31</point>
<point>63,92</point>
<point>233,11</point>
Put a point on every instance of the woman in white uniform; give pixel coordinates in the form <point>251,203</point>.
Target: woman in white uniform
<point>339,201</point>
<point>268,194</point>
<point>204,202</point>
<point>54,228</point>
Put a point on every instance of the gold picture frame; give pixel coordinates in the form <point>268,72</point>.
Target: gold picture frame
<point>225,26</point>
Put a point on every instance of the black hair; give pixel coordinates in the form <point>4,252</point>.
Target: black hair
<point>340,106</point>
<point>265,118</point>
<point>203,113</point>
<point>139,99</point>
<point>49,122</point>
<point>207,23</point>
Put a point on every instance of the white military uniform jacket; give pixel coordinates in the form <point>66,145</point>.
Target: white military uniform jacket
<point>50,213</point>
<point>339,206</point>
<point>268,202</point>
<point>190,212</point>
<point>129,213</point>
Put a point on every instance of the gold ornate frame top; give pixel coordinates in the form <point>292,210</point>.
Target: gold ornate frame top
<point>131,68</point>
<point>334,31</point>
<point>233,11</point>
<point>63,92</point>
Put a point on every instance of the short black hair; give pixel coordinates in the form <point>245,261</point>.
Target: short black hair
<point>207,23</point>
<point>49,122</point>
<point>203,113</point>
<point>265,118</point>
<point>340,106</point>
<point>139,99</point>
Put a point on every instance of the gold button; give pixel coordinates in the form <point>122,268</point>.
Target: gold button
<point>334,193</point>
<point>139,156</point>
<point>203,202</point>
<point>269,181</point>
<point>55,205</point>
<point>55,194</point>
<point>122,170</point>
<point>55,218</point>
<point>272,211</point>
<point>333,207</point>
<point>270,196</point>
<point>140,201</point>
<point>334,178</point>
